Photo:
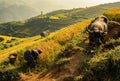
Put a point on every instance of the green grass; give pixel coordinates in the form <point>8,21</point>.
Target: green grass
<point>49,22</point>
<point>113,14</point>
<point>17,44</point>
<point>102,65</point>
<point>51,46</point>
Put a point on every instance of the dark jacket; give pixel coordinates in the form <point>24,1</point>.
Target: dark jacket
<point>31,55</point>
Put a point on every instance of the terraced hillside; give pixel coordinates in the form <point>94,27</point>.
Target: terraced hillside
<point>64,57</point>
<point>51,45</point>
<point>89,12</point>
<point>11,44</point>
<point>4,38</point>
<point>52,21</point>
<point>74,64</point>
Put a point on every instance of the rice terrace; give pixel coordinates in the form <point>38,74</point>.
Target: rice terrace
<point>44,40</point>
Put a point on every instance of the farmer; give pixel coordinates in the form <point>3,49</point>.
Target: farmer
<point>97,29</point>
<point>31,56</point>
<point>12,58</point>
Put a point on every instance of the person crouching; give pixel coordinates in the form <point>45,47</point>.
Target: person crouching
<point>31,56</point>
<point>12,58</point>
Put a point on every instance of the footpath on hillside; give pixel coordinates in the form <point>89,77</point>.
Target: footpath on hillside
<point>69,67</point>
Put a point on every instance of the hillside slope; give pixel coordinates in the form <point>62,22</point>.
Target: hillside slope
<point>89,12</point>
<point>51,46</point>
<point>52,21</point>
<point>65,57</point>
<point>74,64</point>
<point>81,66</point>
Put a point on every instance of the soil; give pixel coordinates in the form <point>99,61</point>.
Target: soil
<point>71,70</point>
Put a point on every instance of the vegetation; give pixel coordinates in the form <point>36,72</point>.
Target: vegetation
<point>1,39</point>
<point>113,14</point>
<point>104,66</point>
<point>52,46</point>
<point>53,21</point>
<point>58,49</point>
<point>7,42</point>
<point>56,43</point>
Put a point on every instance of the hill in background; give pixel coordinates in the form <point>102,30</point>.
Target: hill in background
<point>53,21</point>
<point>64,55</point>
<point>14,10</point>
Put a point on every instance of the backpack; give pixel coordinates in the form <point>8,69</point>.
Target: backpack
<point>28,56</point>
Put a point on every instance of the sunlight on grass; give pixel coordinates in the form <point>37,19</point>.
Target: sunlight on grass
<point>113,14</point>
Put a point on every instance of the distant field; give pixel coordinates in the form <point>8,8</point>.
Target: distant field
<point>53,21</point>
<point>18,44</point>
<point>5,38</point>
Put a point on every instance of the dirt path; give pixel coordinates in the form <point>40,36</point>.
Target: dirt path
<point>62,73</point>
<point>71,70</point>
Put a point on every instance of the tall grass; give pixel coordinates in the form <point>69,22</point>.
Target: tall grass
<point>51,46</point>
<point>113,14</point>
<point>103,66</point>
<point>55,44</point>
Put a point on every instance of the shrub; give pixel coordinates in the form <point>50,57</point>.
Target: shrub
<point>9,75</point>
<point>8,41</point>
<point>1,39</point>
<point>104,67</point>
<point>17,43</point>
<point>6,46</point>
